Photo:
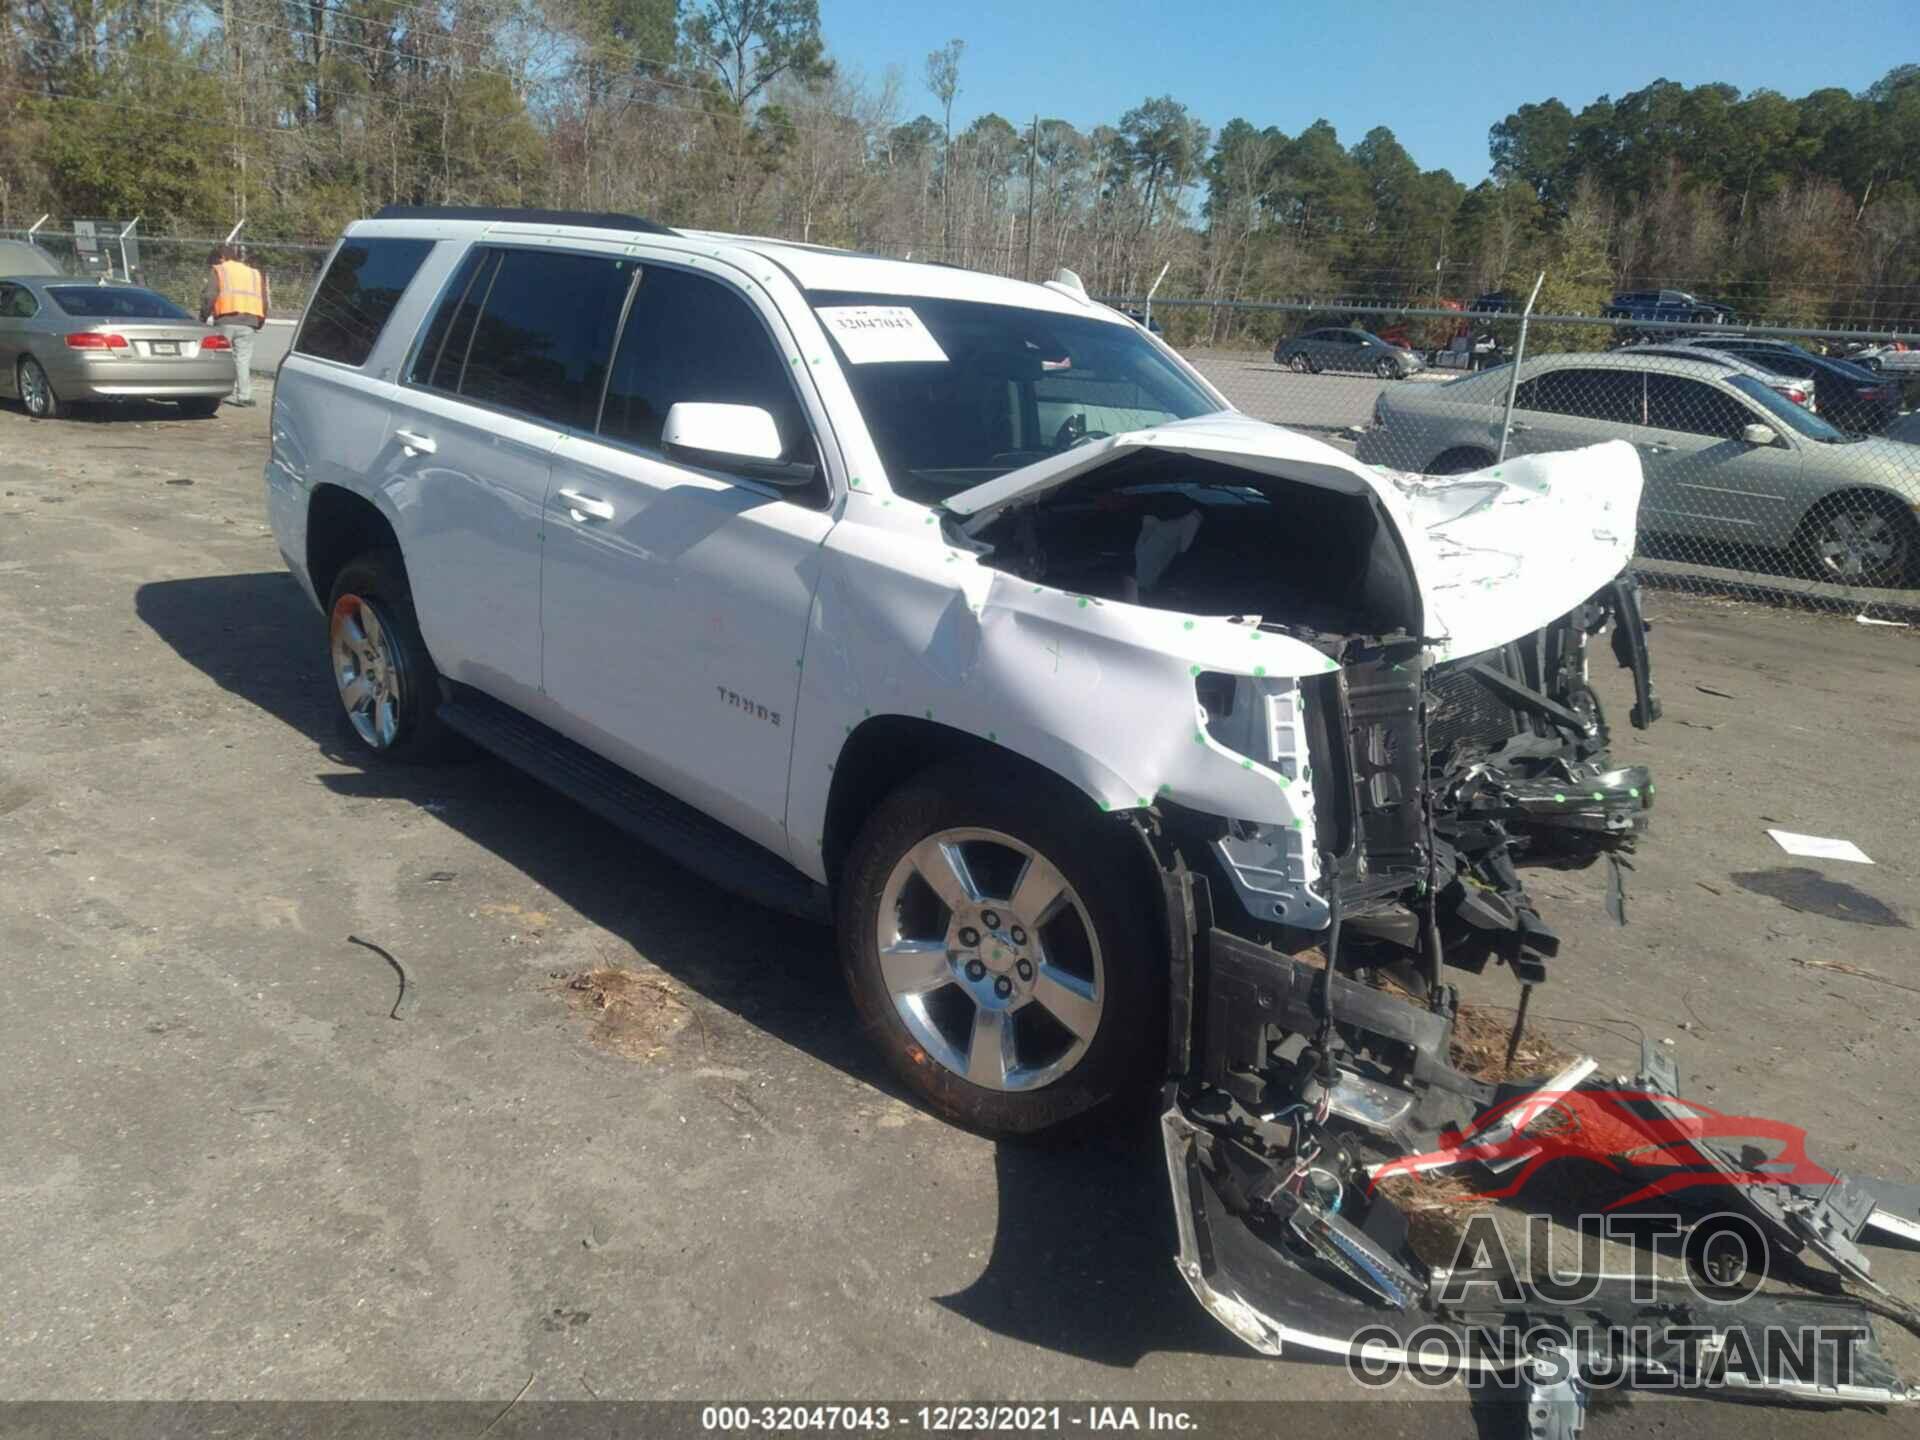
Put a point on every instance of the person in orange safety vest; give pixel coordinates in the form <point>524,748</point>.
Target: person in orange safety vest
<point>235,298</point>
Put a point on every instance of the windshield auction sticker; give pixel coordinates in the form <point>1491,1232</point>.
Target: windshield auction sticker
<point>881,334</point>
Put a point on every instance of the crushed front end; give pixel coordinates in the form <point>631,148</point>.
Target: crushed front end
<point>1312,1043</point>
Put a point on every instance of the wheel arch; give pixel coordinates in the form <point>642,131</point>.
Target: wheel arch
<point>340,525</point>
<point>1877,494</point>
<point>883,752</point>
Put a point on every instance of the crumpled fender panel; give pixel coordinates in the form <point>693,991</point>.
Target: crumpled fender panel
<point>1099,692</point>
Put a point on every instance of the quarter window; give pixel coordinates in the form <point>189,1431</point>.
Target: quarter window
<point>356,297</point>
<point>691,338</point>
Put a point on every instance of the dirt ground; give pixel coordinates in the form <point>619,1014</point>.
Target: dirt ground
<point>238,1160</point>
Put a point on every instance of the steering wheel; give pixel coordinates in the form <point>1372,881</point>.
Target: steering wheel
<point>1073,433</point>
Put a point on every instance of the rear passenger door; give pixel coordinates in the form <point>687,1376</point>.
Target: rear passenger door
<point>1572,406</point>
<point>515,356</point>
<point>676,596</point>
<point>1702,478</point>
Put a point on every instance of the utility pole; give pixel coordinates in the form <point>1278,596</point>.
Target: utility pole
<point>1033,154</point>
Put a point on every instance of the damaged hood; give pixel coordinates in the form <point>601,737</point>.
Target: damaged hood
<point>1495,554</point>
<point>1504,550</point>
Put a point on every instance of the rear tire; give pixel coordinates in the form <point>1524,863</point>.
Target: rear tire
<point>202,408</point>
<point>36,391</point>
<point>1080,981</point>
<point>386,682</point>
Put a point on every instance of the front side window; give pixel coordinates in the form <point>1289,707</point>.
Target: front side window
<point>357,295</point>
<point>114,302</point>
<point>955,392</point>
<point>694,339</point>
<point>1694,408</point>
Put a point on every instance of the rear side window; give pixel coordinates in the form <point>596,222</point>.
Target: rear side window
<point>690,338</point>
<point>1612,395</point>
<point>357,295</point>
<point>544,334</point>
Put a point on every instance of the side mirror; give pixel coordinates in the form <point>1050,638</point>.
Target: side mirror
<point>1751,435</point>
<point>738,439</point>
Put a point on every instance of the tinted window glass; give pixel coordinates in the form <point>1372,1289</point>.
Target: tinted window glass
<point>545,335</point>
<point>115,302</point>
<point>355,297</point>
<point>1612,395</point>
<point>443,353</point>
<point>690,338</point>
<point>1674,403</point>
<point>17,302</point>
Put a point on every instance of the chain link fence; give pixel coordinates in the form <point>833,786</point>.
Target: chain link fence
<point>174,265</point>
<point>1781,465</point>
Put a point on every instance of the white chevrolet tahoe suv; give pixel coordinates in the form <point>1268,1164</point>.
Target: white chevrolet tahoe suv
<point>964,614</point>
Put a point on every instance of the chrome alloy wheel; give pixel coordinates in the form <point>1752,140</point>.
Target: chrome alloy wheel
<point>991,959</point>
<point>1857,543</point>
<point>36,393</point>
<point>367,670</point>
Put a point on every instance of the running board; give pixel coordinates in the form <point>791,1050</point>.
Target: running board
<point>655,818</point>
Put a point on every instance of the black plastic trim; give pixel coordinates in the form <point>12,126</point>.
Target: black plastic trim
<point>594,219</point>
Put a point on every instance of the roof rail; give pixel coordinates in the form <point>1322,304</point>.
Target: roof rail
<point>599,220</point>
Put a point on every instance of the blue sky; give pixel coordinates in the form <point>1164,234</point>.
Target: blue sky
<point>1361,63</point>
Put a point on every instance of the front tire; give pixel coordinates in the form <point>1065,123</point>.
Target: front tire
<point>388,688</point>
<point>1299,364</point>
<point>996,951</point>
<point>1859,539</point>
<point>36,391</point>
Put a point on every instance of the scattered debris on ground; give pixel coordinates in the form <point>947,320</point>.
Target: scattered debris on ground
<point>629,1013</point>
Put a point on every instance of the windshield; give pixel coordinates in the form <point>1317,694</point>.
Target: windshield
<point>114,302</point>
<point>956,393</point>
<point>1781,408</point>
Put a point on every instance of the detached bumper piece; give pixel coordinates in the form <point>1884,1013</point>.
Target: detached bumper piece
<point>1302,1085</point>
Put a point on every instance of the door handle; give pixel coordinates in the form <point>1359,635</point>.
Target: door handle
<point>415,444</point>
<point>586,507</point>
<point>1654,447</point>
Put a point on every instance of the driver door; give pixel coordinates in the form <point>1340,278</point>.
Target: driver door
<point>675,598</point>
<point>1702,478</point>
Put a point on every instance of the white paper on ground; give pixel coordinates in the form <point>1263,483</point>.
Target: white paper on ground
<point>881,334</point>
<point>1819,847</point>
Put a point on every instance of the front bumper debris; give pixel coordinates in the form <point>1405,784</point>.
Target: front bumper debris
<point>1305,1067</point>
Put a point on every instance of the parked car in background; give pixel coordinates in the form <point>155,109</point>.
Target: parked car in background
<point>1347,349</point>
<point>1801,392</point>
<point>1667,306</point>
<point>1901,361</point>
<point>1726,458</point>
<point>1494,302</point>
<point>1852,398</point>
<point>23,257</point>
<point>67,342</point>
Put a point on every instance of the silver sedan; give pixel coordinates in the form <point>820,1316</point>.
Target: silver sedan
<point>64,342</point>
<point>1727,459</point>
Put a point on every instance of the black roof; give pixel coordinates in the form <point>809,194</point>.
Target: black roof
<point>600,220</point>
